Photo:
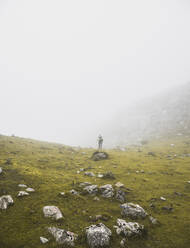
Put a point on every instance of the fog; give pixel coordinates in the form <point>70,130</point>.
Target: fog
<point>67,67</point>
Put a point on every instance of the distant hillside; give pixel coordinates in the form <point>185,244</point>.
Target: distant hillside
<point>167,114</point>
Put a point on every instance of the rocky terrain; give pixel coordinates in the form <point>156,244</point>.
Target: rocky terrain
<point>57,196</point>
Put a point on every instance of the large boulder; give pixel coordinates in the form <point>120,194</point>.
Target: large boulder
<point>52,212</point>
<point>129,228</point>
<point>5,201</point>
<point>98,235</point>
<point>63,237</point>
<point>96,156</point>
<point>107,191</point>
<point>133,210</point>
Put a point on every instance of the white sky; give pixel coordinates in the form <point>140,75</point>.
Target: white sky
<point>68,65</point>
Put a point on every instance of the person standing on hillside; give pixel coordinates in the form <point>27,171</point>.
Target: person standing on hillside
<point>100,142</point>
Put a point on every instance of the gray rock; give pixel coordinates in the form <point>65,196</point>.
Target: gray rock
<point>133,210</point>
<point>100,175</point>
<point>22,186</point>
<point>5,201</point>
<point>30,190</point>
<point>63,237</point>
<point>92,189</point>
<point>52,212</point>
<point>22,193</point>
<point>108,175</point>
<point>98,235</point>
<point>107,191</point>
<point>62,193</point>
<point>120,195</point>
<point>119,185</point>
<point>90,174</point>
<point>84,184</point>
<point>43,240</point>
<point>73,192</point>
<point>96,198</point>
<point>153,220</point>
<point>99,156</point>
<point>1,170</point>
<point>128,228</point>
<point>123,243</point>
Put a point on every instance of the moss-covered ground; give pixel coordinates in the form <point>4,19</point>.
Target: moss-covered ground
<point>52,168</point>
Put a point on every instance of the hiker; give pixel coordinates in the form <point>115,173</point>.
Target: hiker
<point>100,142</point>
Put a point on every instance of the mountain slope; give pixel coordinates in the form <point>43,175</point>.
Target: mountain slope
<point>167,114</point>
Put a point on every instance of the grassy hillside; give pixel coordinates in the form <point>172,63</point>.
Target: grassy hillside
<point>52,168</point>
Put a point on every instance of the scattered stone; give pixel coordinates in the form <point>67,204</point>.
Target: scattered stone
<point>119,185</point>
<point>73,192</point>
<point>167,208</point>
<point>90,174</point>
<point>99,156</point>
<point>96,198</point>
<point>5,201</point>
<point>153,220</point>
<point>1,170</point>
<point>84,184</point>
<point>63,237</point>
<point>178,193</point>
<point>108,175</point>
<point>22,186</point>
<point>188,182</point>
<point>120,195</point>
<point>81,169</point>
<point>107,191</point>
<point>152,154</point>
<point>22,193</point>
<point>98,235</point>
<point>92,189</point>
<point>162,198</point>
<point>129,228</point>
<point>99,217</point>
<point>123,243</point>
<point>53,212</point>
<point>30,190</point>
<point>62,193</point>
<point>43,240</point>
<point>100,175</point>
<point>78,172</point>
<point>133,210</point>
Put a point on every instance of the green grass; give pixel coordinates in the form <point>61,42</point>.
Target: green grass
<point>51,168</point>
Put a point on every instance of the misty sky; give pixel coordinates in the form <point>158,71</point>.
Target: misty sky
<point>67,66</point>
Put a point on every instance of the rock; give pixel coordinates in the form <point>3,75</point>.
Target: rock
<point>92,189</point>
<point>98,235</point>
<point>99,217</point>
<point>120,195</point>
<point>73,192</point>
<point>129,228</point>
<point>162,198</point>
<point>90,174</point>
<point>167,208</point>
<point>22,186</point>
<point>43,240</point>
<point>123,243</point>
<point>62,193</point>
<point>5,201</point>
<point>84,184</point>
<point>30,190</point>
<point>96,198</point>
<point>133,210</point>
<point>151,154</point>
<point>1,170</point>
<point>81,169</point>
<point>100,175</point>
<point>22,193</point>
<point>53,212</point>
<point>178,193</point>
<point>153,220</point>
<point>108,175</point>
<point>107,191</point>
<point>188,182</point>
<point>119,185</point>
<point>97,156</point>
<point>63,237</point>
